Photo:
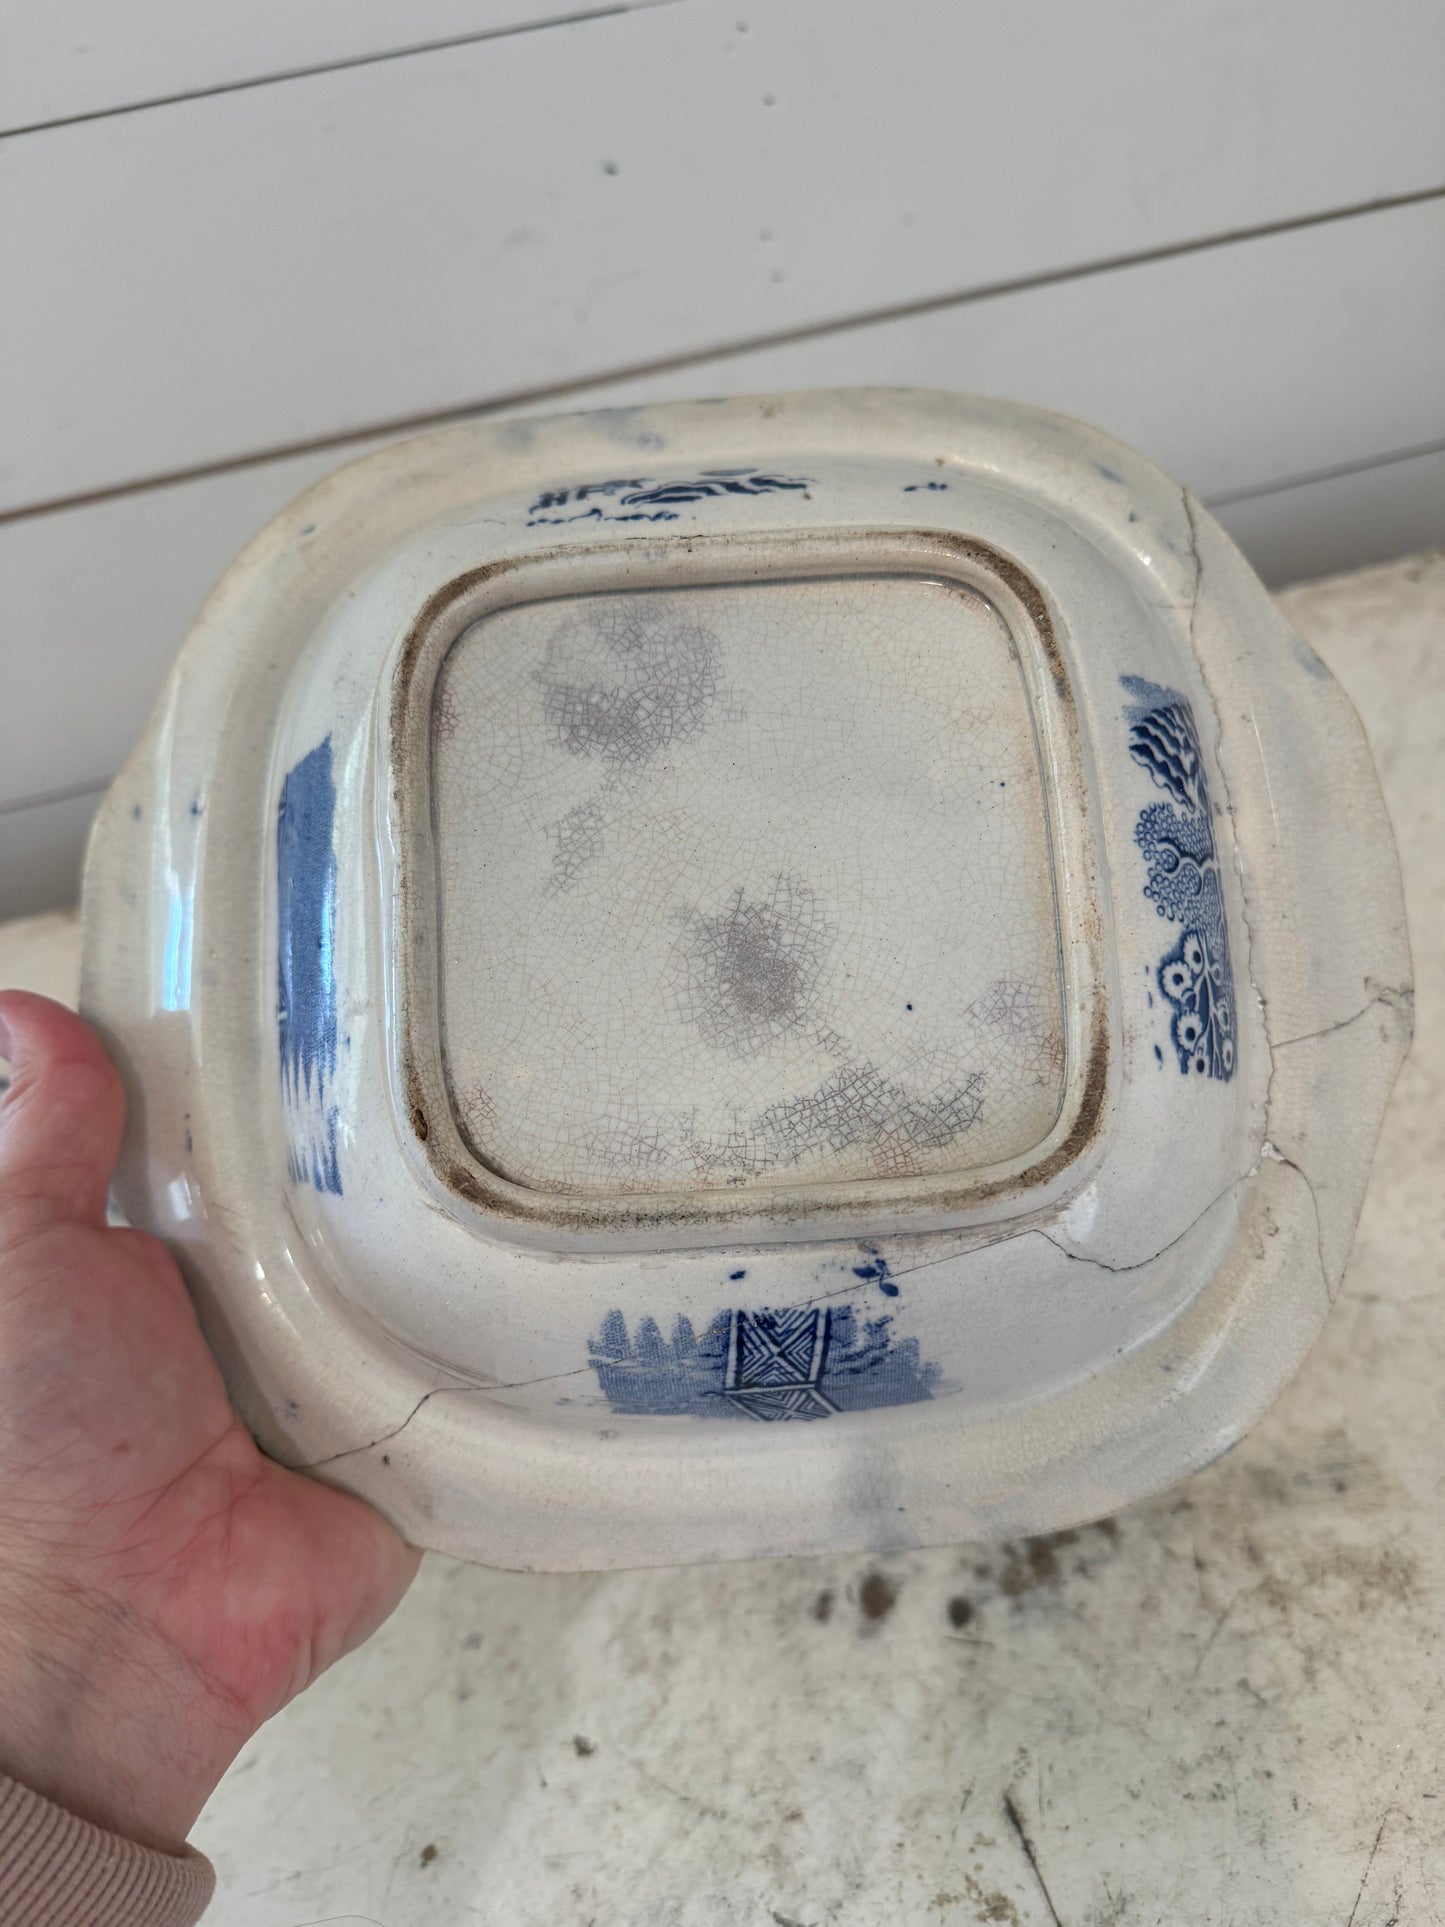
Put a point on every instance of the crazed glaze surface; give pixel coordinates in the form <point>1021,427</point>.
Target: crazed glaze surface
<point>802,924</point>
<point>743,884</point>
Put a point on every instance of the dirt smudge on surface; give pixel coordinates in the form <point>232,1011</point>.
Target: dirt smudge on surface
<point>1032,1563</point>
<point>995,1906</point>
<point>877,1597</point>
<point>1019,1570</point>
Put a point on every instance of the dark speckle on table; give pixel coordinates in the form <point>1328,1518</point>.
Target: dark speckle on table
<point>877,1597</point>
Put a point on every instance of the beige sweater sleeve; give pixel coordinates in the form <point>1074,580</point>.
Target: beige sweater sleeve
<point>59,1871</point>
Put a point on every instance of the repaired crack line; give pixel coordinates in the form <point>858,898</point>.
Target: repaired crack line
<point>1074,1257</point>
<point>384,1438</point>
<point>1277,1156</point>
<point>843,1291</point>
<point>1037,1231</point>
<point>1392,996</point>
<point>1194,593</point>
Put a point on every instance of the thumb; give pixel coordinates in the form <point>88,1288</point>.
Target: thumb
<point>60,1124</point>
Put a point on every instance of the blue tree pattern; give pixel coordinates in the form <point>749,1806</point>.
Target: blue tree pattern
<point>771,1364</point>
<point>1176,840</point>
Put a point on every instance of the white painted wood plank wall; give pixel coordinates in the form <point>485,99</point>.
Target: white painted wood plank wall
<point>69,59</point>
<point>389,243</point>
<point>1300,380</point>
<point>1167,221</point>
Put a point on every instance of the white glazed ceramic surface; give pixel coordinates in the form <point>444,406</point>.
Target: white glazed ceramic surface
<point>800,973</point>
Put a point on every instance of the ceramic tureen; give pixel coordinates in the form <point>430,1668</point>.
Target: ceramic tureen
<point>716,980</point>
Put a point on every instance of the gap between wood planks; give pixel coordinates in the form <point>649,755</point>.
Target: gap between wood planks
<point>581,385</point>
<point>309,71</point>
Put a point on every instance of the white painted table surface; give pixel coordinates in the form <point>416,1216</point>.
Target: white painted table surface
<point>1226,1705</point>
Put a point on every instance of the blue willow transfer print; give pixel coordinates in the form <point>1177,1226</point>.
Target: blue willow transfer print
<point>1176,840</point>
<point>305,973</point>
<point>792,1364</point>
<point>636,499</point>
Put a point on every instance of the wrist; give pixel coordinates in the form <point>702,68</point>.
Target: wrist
<point>99,1716</point>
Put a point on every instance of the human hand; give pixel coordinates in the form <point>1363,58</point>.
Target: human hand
<point>164,1587</point>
